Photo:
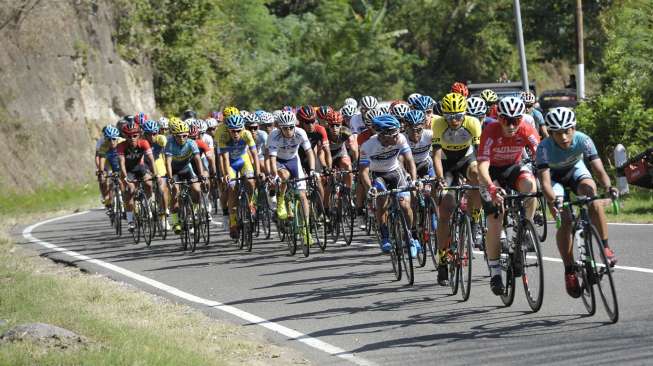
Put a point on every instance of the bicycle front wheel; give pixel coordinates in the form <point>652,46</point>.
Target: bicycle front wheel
<point>533,270</point>
<point>422,235</point>
<point>540,218</point>
<point>146,220</point>
<point>431,232</point>
<point>464,257</point>
<point>117,214</point>
<point>507,276</point>
<point>203,218</point>
<point>347,218</point>
<point>406,258</point>
<point>603,274</point>
<point>395,240</point>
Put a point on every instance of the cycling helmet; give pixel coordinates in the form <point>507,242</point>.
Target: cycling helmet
<point>215,114</point>
<point>369,102</point>
<point>437,108</point>
<point>412,99</point>
<point>351,101</point>
<point>323,111</point>
<point>230,111</point>
<point>111,132</point>
<point>141,118</point>
<point>130,128</point>
<point>188,114</point>
<point>177,126</point>
<point>399,110</point>
<point>334,118</point>
<point>489,96</point>
<point>287,108</point>
<point>385,123</point>
<point>211,123</point>
<point>560,118</point>
<point>189,122</point>
<point>476,106</point>
<point>287,118</point>
<point>266,118</point>
<point>454,103</point>
<point>423,103</point>
<point>415,117</point>
<point>385,109</point>
<point>235,122</point>
<point>306,113</point>
<point>460,88</point>
<point>201,125</point>
<point>511,107</point>
<point>369,116</point>
<point>193,131</point>
<point>251,119</point>
<point>528,97</point>
<point>163,123</point>
<point>151,127</point>
<point>348,110</point>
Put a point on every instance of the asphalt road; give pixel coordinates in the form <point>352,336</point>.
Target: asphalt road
<point>345,306</point>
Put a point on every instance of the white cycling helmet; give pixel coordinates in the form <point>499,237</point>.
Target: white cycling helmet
<point>287,118</point>
<point>211,123</point>
<point>351,101</point>
<point>399,110</point>
<point>528,97</point>
<point>369,115</point>
<point>560,118</point>
<point>511,107</point>
<point>189,122</point>
<point>369,102</point>
<point>476,106</point>
<point>348,110</point>
<point>163,123</point>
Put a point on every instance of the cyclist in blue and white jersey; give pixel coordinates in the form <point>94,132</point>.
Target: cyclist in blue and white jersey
<point>260,137</point>
<point>560,161</point>
<point>538,120</point>
<point>357,123</point>
<point>283,146</point>
<point>420,142</point>
<point>383,156</point>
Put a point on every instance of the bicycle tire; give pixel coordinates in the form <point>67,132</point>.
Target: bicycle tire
<point>542,225</point>
<point>395,250</point>
<point>348,218</point>
<point>241,216</point>
<point>162,218</point>
<point>145,221</point>
<point>432,243</point>
<point>507,275</point>
<point>314,228</point>
<point>318,202</point>
<point>530,243</point>
<point>193,238</point>
<point>452,255</point>
<point>335,212</point>
<point>292,228</point>
<point>464,260</point>
<point>407,259</point>
<point>184,234</point>
<point>205,224</point>
<point>263,213</point>
<point>420,226</point>
<point>607,289</point>
<point>136,233</point>
<point>117,212</point>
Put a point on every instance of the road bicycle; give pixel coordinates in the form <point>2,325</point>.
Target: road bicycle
<point>591,265</point>
<point>521,255</point>
<point>244,214</point>
<point>296,224</point>
<point>263,215</point>
<point>187,218</point>
<point>342,213</point>
<point>144,219</point>
<point>426,222</point>
<point>117,212</point>
<point>156,207</point>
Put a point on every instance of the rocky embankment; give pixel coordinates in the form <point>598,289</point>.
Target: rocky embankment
<point>62,79</point>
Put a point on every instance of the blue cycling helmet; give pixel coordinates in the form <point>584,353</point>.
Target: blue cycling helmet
<point>151,126</point>
<point>423,103</point>
<point>412,99</point>
<point>259,112</point>
<point>235,122</point>
<point>415,117</point>
<point>385,123</point>
<point>111,132</point>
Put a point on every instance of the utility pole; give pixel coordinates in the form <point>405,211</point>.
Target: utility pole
<point>580,57</point>
<point>520,45</point>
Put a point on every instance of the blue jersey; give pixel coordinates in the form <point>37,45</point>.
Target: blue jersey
<point>181,154</point>
<point>550,155</point>
<point>537,116</point>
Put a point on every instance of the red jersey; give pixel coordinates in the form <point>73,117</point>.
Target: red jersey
<point>364,136</point>
<point>134,155</point>
<point>318,136</point>
<point>503,151</point>
<point>204,148</point>
<point>493,111</point>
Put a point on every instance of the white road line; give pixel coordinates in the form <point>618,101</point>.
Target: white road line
<point>254,319</point>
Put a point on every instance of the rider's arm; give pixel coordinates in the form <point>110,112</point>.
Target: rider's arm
<point>169,167</point>
<point>253,156</point>
<point>327,154</point>
<point>198,164</point>
<point>437,161</point>
<point>410,164</point>
<point>273,165</point>
<point>123,168</point>
<point>547,188</point>
<point>601,174</point>
<point>311,159</point>
<point>211,159</point>
<point>363,173</point>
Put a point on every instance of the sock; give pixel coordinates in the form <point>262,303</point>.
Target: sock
<point>232,219</point>
<point>130,216</point>
<point>495,268</point>
<point>385,233</point>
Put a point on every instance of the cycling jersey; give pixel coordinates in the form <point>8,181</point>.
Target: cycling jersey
<point>104,149</point>
<point>383,158</point>
<point>421,149</point>
<point>261,143</point>
<point>537,116</point>
<point>356,124</point>
<point>503,150</point>
<point>208,140</point>
<point>318,136</point>
<point>134,155</point>
<point>158,145</point>
<point>338,144</point>
<point>286,148</point>
<point>456,143</point>
<point>364,136</point>
<point>181,154</point>
<point>237,149</point>
<point>550,155</point>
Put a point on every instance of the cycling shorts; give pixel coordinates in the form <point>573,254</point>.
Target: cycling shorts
<point>138,172</point>
<point>383,181</point>
<point>185,173</point>
<point>506,177</point>
<point>425,169</point>
<point>454,169</point>
<point>160,166</point>
<point>243,166</point>
<point>570,178</point>
<point>293,166</point>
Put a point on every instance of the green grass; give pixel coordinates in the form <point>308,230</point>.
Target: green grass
<point>637,207</point>
<point>49,199</point>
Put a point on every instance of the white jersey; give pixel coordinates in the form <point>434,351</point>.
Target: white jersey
<point>208,140</point>
<point>421,149</point>
<point>383,158</point>
<point>528,118</point>
<point>286,148</point>
<point>356,124</point>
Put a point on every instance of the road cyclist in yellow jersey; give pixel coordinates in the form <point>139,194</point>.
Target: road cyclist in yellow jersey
<point>237,154</point>
<point>455,139</point>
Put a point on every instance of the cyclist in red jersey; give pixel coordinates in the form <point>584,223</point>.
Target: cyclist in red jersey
<point>131,154</point>
<point>317,135</point>
<point>499,157</point>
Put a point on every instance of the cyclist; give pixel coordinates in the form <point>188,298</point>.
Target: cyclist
<point>383,156</point>
<point>106,151</point>
<point>283,145</point>
<point>237,153</point>
<point>164,126</point>
<point>419,139</point>
<point>180,151</point>
<point>460,88</point>
<point>491,99</point>
<point>348,111</point>
<point>357,123</point>
<point>158,143</point>
<point>538,120</point>
<point>425,104</point>
<point>340,142</point>
<point>500,153</point>
<point>477,108</point>
<point>399,110</point>
<point>131,155</point>
<point>560,163</point>
<point>455,140</point>
<point>361,138</point>
<point>317,135</point>
<point>260,138</point>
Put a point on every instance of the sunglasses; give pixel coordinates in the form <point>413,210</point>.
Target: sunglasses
<point>390,134</point>
<point>416,129</point>
<point>454,116</point>
<point>288,128</point>
<point>134,136</point>
<point>511,121</point>
<point>114,139</point>
<point>182,136</point>
<point>235,131</point>
<point>151,133</point>
<point>310,122</point>
<point>252,128</point>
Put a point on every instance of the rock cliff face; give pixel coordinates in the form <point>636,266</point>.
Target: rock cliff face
<point>61,79</point>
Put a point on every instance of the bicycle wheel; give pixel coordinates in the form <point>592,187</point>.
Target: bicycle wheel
<point>248,229</point>
<point>406,258</point>
<point>184,235</point>
<point>206,230</point>
<point>508,278</point>
<point>146,220</point>
<point>420,225</point>
<point>317,205</point>
<point>395,240</point>
<point>431,232</point>
<point>464,258</point>
<point>314,228</point>
<point>136,233</point>
<point>533,269</point>
<point>347,218</point>
<point>244,222</point>
<point>335,212</point>
<point>291,228</point>
<point>603,274</point>
<point>161,218</point>
<point>117,214</point>
<point>540,219</point>
<point>263,214</point>
<point>154,210</point>
<point>301,227</point>
<point>452,254</point>
<point>192,227</point>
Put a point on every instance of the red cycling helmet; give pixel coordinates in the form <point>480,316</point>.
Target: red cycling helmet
<point>460,88</point>
<point>323,111</point>
<point>193,131</point>
<point>334,118</point>
<point>306,113</point>
<point>130,128</point>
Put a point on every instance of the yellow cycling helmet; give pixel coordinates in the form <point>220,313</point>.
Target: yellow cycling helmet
<point>177,126</point>
<point>489,96</point>
<point>230,111</point>
<point>454,103</point>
